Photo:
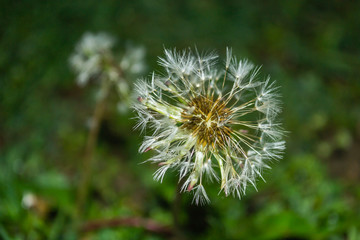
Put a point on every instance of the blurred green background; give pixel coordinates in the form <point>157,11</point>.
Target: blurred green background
<point>311,48</point>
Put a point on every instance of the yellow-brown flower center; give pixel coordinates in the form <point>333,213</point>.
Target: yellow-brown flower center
<point>207,119</point>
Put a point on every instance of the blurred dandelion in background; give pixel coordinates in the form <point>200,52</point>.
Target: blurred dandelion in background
<point>90,56</point>
<point>203,118</point>
<point>93,58</point>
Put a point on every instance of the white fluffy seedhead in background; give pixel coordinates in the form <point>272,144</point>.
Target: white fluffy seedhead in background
<point>86,61</point>
<point>93,59</point>
<point>95,43</point>
<point>210,120</point>
<point>133,59</point>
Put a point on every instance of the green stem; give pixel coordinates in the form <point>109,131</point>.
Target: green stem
<point>87,163</point>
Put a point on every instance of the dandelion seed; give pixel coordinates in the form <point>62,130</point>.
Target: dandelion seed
<point>201,116</point>
<point>200,196</point>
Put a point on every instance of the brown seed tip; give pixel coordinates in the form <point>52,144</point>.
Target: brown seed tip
<point>190,187</point>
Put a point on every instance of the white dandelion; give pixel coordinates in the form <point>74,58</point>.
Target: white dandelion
<point>93,59</point>
<point>209,123</point>
<point>88,59</point>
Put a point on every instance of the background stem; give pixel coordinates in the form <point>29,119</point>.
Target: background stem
<point>88,160</point>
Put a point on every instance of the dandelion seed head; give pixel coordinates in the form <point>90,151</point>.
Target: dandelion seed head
<point>203,117</point>
<point>87,58</point>
<point>206,121</point>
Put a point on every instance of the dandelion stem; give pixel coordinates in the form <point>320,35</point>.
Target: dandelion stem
<point>88,160</point>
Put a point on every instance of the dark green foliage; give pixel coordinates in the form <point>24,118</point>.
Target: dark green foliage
<point>311,48</point>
